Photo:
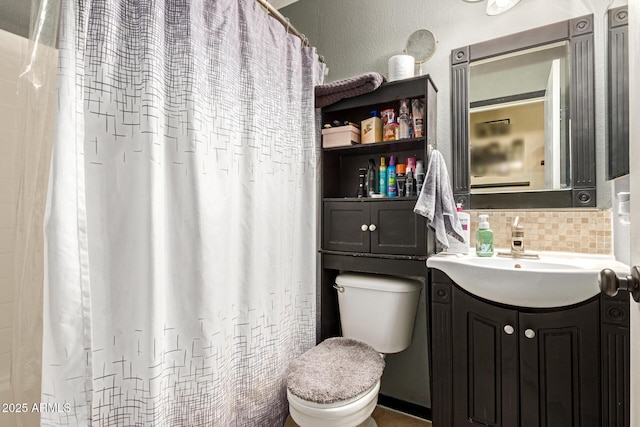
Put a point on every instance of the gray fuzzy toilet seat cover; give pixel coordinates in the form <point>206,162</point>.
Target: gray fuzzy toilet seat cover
<point>334,370</point>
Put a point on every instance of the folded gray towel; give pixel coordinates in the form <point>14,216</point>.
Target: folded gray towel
<point>347,88</point>
<point>436,201</point>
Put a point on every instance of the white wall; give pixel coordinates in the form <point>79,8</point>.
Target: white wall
<point>12,51</point>
<point>26,132</point>
<point>358,36</point>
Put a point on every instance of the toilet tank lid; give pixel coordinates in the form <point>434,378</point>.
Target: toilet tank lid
<point>378,282</point>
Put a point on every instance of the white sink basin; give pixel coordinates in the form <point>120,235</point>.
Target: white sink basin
<point>557,279</point>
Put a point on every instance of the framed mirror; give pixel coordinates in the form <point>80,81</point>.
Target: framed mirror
<point>523,119</point>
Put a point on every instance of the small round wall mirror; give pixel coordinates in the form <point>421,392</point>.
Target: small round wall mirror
<point>421,44</point>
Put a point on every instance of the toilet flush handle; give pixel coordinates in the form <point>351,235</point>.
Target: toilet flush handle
<point>338,287</point>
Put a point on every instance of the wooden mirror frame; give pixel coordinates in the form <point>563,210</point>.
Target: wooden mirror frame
<point>579,33</point>
<point>617,93</point>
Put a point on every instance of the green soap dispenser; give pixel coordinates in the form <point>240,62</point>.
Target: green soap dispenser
<point>484,238</point>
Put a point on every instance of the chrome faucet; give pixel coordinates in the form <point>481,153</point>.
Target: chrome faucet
<point>517,238</point>
<point>517,242</point>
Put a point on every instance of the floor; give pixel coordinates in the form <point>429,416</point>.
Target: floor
<point>386,418</point>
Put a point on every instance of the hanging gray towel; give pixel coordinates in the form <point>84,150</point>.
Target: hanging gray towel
<point>436,201</point>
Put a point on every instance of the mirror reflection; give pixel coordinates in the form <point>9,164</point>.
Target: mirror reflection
<point>518,126</point>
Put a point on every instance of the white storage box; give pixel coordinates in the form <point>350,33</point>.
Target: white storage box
<point>340,136</point>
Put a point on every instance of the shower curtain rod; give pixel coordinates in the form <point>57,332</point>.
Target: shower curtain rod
<point>286,23</point>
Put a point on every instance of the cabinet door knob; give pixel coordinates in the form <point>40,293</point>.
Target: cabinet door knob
<point>529,333</point>
<point>372,227</point>
<point>508,329</point>
<point>364,227</point>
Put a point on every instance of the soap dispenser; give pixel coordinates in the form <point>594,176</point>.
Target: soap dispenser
<point>484,238</point>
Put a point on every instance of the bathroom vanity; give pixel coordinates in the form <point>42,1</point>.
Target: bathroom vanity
<point>515,365</point>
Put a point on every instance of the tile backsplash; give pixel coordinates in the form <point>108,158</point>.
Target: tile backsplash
<point>586,231</point>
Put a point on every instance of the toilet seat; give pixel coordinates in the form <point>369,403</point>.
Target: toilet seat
<point>336,370</point>
<point>342,378</point>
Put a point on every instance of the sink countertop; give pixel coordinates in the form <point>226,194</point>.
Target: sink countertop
<point>556,279</point>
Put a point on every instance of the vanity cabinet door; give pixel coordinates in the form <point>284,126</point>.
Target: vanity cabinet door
<point>397,229</point>
<point>560,367</point>
<point>485,363</point>
<point>346,226</point>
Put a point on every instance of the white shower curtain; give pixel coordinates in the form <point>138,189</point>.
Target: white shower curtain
<point>180,226</point>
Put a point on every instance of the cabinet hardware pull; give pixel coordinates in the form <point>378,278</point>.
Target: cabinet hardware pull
<point>338,287</point>
<point>372,227</point>
<point>508,329</point>
<point>529,333</point>
<point>364,227</point>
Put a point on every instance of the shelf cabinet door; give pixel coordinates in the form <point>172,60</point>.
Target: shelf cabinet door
<point>560,367</point>
<point>485,363</point>
<point>398,231</point>
<point>342,226</point>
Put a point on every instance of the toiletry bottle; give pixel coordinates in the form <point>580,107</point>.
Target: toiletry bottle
<point>419,176</point>
<point>382,177</point>
<point>371,177</point>
<point>392,190</point>
<point>409,185</point>
<point>389,125</point>
<point>362,182</point>
<point>456,246</point>
<point>484,238</point>
<point>403,119</point>
<point>401,179</point>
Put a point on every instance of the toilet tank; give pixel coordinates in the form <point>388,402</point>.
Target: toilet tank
<point>377,309</point>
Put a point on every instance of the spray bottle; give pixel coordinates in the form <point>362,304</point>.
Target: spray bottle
<point>371,177</point>
<point>382,177</point>
<point>392,190</point>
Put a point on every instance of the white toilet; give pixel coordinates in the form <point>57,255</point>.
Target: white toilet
<point>336,383</point>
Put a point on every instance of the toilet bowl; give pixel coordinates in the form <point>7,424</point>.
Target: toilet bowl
<point>351,412</point>
<point>336,383</point>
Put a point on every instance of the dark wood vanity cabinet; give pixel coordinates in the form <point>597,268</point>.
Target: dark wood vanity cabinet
<point>496,365</point>
<point>484,362</point>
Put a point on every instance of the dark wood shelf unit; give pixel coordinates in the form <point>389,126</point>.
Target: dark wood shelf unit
<point>382,147</point>
<point>400,241</point>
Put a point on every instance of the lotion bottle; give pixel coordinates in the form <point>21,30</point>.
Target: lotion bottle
<point>484,238</point>
<point>456,246</point>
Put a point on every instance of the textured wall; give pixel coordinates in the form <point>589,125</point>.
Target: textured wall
<point>357,36</point>
<point>14,16</point>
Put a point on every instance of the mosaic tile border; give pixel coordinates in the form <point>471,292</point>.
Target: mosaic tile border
<point>584,231</point>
